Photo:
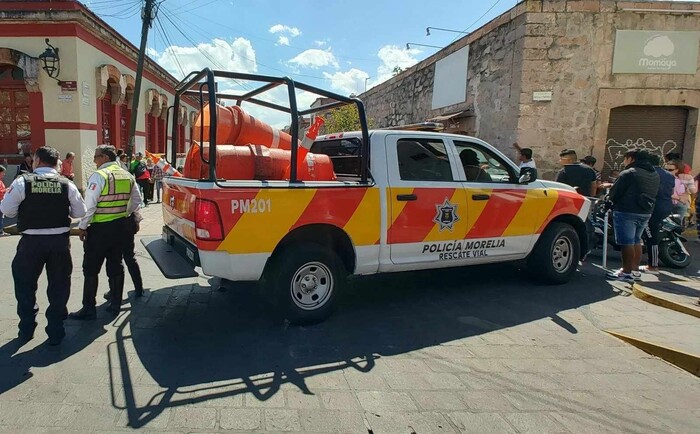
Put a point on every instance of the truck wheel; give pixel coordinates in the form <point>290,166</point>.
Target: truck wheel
<point>556,254</point>
<point>306,282</point>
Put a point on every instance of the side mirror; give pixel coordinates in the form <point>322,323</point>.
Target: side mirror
<point>527,175</point>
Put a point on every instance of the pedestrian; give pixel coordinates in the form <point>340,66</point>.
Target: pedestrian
<point>525,158</point>
<point>111,196</point>
<point>44,203</point>
<point>633,197</point>
<point>691,189</point>
<point>2,194</point>
<point>27,164</point>
<point>124,162</point>
<point>157,177</point>
<point>140,171</point>
<point>575,174</point>
<point>681,197</point>
<point>662,208</point>
<point>151,179</point>
<point>590,161</point>
<point>697,208</point>
<point>67,169</point>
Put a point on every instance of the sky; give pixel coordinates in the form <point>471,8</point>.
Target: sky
<point>346,46</point>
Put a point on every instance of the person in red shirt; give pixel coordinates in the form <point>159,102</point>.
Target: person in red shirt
<point>67,167</point>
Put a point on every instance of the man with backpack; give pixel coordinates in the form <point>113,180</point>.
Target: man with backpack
<point>143,177</point>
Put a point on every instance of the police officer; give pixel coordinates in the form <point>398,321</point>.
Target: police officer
<point>44,203</point>
<point>111,196</point>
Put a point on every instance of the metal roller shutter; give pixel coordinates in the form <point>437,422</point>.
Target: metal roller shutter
<point>657,129</point>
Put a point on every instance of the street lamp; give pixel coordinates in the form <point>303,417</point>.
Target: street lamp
<point>427,30</point>
<point>408,44</point>
<point>51,63</point>
<point>366,78</point>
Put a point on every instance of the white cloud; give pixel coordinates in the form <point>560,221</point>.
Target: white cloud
<point>238,55</point>
<point>281,28</point>
<point>315,58</point>
<point>283,40</point>
<point>320,43</point>
<point>352,81</point>
<point>393,56</point>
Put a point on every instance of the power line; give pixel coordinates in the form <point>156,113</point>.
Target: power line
<point>209,36</point>
<point>204,53</point>
<point>168,44</point>
<point>478,19</point>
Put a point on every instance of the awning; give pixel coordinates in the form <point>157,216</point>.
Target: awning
<point>461,114</point>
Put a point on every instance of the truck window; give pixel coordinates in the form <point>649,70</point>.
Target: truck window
<point>481,164</point>
<point>423,160</point>
<point>344,154</point>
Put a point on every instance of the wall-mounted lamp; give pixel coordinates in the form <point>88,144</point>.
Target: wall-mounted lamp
<point>427,30</point>
<point>422,45</point>
<point>50,62</point>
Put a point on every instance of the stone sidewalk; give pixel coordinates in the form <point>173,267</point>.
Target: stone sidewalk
<point>479,349</point>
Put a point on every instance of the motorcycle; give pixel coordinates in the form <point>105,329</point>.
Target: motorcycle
<point>672,252</point>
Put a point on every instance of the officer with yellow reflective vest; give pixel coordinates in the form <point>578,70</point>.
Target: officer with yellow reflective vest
<point>111,196</point>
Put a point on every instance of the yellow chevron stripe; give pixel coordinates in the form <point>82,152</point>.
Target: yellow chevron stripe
<point>364,225</point>
<point>476,207</point>
<point>270,227</point>
<point>460,227</point>
<point>396,205</point>
<point>535,207</point>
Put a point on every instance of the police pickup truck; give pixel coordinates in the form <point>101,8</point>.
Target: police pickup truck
<point>398,201</point>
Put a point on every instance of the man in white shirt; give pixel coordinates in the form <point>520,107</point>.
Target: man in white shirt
<point>110,197</point>
<point>44,203</point>
<point>525,158</point>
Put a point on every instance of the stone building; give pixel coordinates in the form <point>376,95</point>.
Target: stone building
<point>598,76</point>
<point>84,99</point>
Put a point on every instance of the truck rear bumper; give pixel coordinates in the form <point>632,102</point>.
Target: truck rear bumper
<point>175,257</point>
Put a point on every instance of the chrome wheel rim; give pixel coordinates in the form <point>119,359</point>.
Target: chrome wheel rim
<point>311,286</point>
<point>562,254</point>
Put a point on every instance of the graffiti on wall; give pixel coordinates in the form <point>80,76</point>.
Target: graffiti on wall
<point>615,151</point>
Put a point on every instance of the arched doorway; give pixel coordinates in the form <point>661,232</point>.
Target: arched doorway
<point>15,125</point>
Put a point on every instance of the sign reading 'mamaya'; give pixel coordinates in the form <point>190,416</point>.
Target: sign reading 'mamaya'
<point>652,52</point>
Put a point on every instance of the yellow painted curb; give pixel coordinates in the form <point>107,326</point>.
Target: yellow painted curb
<point>640,293</point>
<point>686,361</point>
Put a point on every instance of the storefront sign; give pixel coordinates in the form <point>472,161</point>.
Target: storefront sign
<point>651,52</point>
<point>71,86</point>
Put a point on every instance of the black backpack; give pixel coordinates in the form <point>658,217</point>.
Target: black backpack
<point>140,170</point>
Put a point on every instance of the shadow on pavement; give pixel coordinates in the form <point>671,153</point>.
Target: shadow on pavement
<point>16,366</point>
<point>210,344</point>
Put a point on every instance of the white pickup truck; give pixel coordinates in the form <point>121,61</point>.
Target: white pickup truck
<point>399,200</point>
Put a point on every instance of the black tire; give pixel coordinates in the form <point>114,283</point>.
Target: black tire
<point>672,256</point>
<point>296,267</point>
<point>556,255</point>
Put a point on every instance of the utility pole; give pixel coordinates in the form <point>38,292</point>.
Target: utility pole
<point>147,16</point>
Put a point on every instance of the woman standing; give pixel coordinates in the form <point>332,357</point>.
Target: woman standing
<point>681,198</point>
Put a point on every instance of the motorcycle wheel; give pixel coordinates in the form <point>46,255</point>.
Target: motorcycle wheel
<point>672,256</point>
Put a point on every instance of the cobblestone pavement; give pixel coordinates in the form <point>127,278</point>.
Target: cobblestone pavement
<point>479,349</point>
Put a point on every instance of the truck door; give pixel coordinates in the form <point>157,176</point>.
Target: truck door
<point>428,212</point>
<point>503,214</point>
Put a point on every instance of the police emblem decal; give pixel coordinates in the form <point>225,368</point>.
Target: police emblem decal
<point>446,215</point>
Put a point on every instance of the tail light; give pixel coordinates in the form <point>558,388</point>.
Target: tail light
<point>207,221</point>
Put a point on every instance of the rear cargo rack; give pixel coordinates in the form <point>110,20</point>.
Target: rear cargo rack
<point>199,84</point>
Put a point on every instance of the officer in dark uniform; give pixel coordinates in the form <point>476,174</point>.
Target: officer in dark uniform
<point>44,203</point>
